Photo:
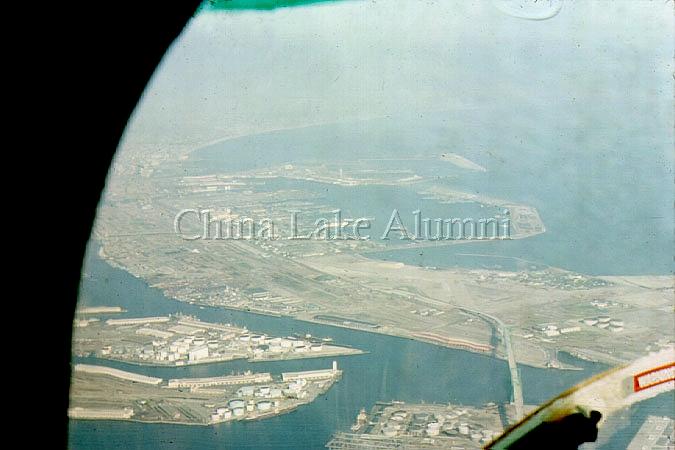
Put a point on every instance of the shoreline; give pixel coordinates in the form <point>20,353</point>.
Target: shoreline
<point>288,410</point>
<point>389,332</point>
<point>95,384</point>
<point>352,352</point>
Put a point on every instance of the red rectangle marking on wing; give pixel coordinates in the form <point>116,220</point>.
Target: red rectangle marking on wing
<point>654,377</point>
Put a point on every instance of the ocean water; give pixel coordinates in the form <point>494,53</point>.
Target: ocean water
<point>393,369</point>
<point>605,198</point>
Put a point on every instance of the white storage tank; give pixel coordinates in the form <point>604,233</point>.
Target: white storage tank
<point>246,391</point>
<point>433,428</point>
<point>236,403</point>
<point>264,405</point>
<point>389,432</point>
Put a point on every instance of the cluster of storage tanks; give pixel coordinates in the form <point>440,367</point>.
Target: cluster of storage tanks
<point>264,344</point>
<point>247,403</point>
<point>190,347</point>
<point>238,408</point>
<point>404,423</point>
<point>473,431</point>
<point>606,323</point>
<point>262,391</point>
<point>293,389</point>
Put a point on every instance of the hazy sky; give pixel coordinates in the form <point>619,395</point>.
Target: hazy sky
<point>231,73</point>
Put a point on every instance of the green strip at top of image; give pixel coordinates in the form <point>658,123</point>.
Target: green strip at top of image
<point>217,5</point>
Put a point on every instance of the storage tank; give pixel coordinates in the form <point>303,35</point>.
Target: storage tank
<point>433,428</point>
<point>236,403</point>
<point>246,391</point>
<point>264,405</point>
<point>388,431</point>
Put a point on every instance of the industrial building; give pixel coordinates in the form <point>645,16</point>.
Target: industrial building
<point>263,377</point>
<point>198,353</point>
<point>311,374</point>
<point>137,321</point>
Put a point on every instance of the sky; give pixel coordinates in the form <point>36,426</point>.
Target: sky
<point>233,73</point>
